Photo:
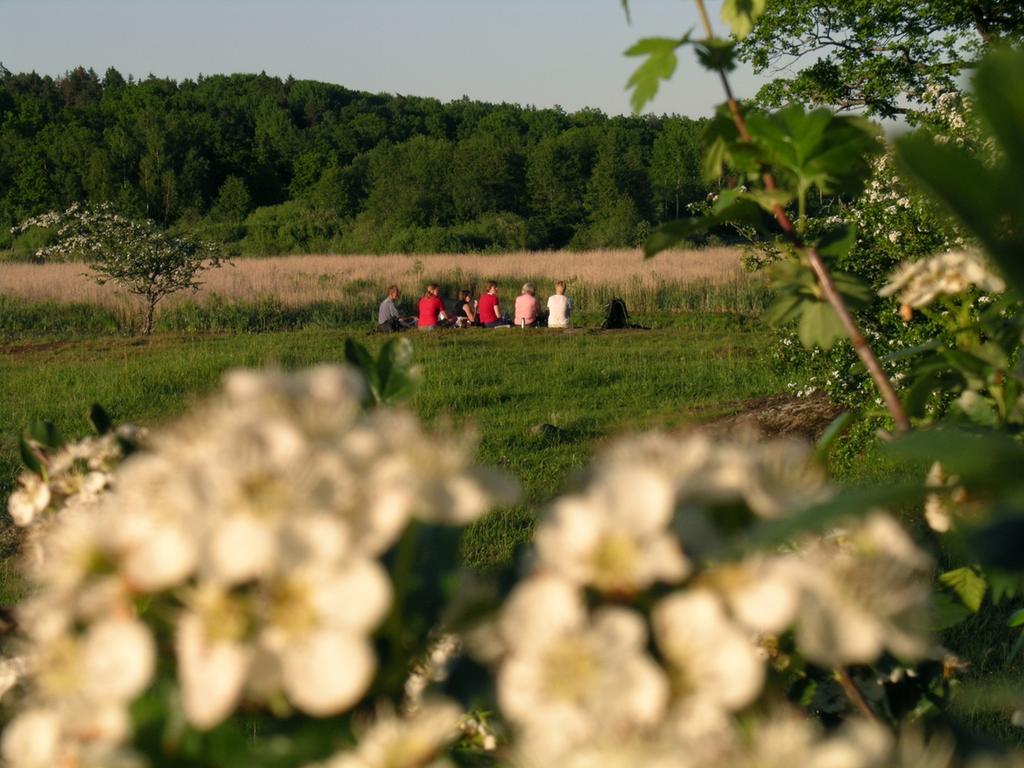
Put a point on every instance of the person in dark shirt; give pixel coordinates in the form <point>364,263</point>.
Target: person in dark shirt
<point>464,313</point>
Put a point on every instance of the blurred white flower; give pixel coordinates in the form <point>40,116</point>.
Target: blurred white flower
<point>31,498</point>
<point>713,662</point>
<point>921,282</point>
<point>864,589</point>
<point>614,536</point>
<point>32,739</point>
<point>413,741</point>
<point>11,670</point>
<point>581,677</point>
<point>787,739</point>
<point>762,592</point>
<point>213,657</point>
<point>940,505</point>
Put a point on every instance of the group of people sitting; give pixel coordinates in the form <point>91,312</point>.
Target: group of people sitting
<point>484,312</point>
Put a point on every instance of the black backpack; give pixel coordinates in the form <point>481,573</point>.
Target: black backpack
<point>615,315</point>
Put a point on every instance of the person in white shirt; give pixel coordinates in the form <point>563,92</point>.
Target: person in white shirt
<point>559,307</point>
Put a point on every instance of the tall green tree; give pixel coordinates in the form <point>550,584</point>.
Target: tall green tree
<point>876,56</point>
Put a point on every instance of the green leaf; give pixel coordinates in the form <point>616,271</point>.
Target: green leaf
<point>717,54</point>
<point>740,15</point>
<point>30,458</point>
<point>731,207</point>
<point>1001,100</point>
<point>838,243</point>
<point>834,431</point>
<point>783,309</point>
<point>396,374</point>
<point>987,459</point>
<point>968,585</point>
<point>359,357</point>
<point>770,198</point>
<point>671,233</point>
<point>978,408</point>
<point>946,612</point>
<point>660,65</point>
<point>625,9</point>
<point>850,504</point>
<point>1016,619</point>
<point>819,325</point>
<point>919,349</point>
<point>45,434</point>
<point>100,419</point>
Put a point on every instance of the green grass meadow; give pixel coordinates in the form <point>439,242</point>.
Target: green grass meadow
<point>590,385</point>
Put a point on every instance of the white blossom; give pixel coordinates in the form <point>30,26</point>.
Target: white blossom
<point>713,662</point>
<point>615,535</point>
<point>584,677</point>
<point>865,589</point>
<point>922,282</point>
<point>413,741</point>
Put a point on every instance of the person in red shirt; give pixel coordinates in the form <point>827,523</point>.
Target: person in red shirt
<point>488,312</point>
<point>431,309</point>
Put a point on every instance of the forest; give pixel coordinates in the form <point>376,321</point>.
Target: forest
<point>268,166</point>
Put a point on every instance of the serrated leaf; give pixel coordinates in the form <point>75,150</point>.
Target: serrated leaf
<point>968,585</point>
<point>741,15</point>
<point>947,611</point>
<point>717,54</point>
<point>819,325</point>
<point>731,207</point>
<point>838,243</point>
<point>768,199</point>
<point>660,65</point>
<point>783,309</point>
<point>919,349</point>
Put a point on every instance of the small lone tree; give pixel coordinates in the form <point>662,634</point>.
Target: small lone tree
<point>137,255</point>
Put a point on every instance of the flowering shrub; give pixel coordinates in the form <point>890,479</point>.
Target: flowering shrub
<point>253,559</point>
<point>245,544</point>
<point>138,255</point>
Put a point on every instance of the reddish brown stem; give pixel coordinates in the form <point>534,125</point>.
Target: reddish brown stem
<point>828,287</point>
<point>854,694</point>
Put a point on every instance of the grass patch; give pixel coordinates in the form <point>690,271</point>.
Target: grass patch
<point>502,382</point>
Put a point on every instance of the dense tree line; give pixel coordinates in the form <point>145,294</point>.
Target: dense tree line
<point>274,165</point>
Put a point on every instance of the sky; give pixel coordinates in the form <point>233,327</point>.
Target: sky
<point>539,52</point>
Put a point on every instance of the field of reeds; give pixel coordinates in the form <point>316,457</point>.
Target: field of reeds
<point>284,293</point>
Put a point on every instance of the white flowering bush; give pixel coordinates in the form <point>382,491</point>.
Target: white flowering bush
<point>272,581</point>
<point>139,256</point>
<point>259,555</point>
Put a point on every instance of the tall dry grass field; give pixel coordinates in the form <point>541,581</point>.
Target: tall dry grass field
<point>295,291</point>
<point>300,280</point>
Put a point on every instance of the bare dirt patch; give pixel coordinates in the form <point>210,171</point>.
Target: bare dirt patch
<point>775,416</point>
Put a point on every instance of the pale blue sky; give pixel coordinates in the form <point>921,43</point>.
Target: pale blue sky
<point>541,52</point>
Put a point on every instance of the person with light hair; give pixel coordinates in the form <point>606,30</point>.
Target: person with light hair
<point>431,308</point>
<point>527,307</point>
<point>559,307</point>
